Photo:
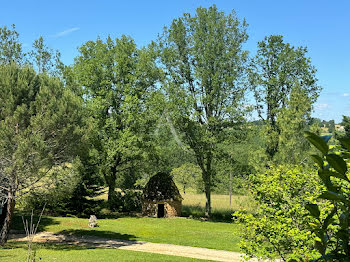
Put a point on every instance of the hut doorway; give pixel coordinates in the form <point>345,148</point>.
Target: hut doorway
<point>160,210</point>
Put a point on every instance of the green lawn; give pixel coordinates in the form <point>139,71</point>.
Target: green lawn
<point>179,231</point>
<point>16,252</point>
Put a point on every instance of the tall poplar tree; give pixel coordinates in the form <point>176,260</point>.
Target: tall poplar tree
<point>278,72</point>
<point>203,61</point>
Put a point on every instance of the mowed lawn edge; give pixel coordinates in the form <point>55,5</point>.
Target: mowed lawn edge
<point>178,231</point>
<point>17,252</point>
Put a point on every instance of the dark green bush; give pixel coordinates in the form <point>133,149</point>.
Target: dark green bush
<point>127,201</point>
<point>132,201</point>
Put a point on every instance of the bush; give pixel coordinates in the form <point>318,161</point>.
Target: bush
<point>127,201</point>
<point>331,227</point>
<point>280,226</point>
<point>132,201</point>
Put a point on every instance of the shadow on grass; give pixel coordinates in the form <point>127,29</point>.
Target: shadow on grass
<point>78,240</point>
<point>17,223</point>
<point>105,235</point>
<point>198,212</point>
<point>52,246</point>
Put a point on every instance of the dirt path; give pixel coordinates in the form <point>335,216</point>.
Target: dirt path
<point>166,249</point>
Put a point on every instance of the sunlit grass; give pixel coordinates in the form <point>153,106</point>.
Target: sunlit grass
<point>178,231</point>
<point>219,202</point>
<point>193,205</point>
<point>17,252</point>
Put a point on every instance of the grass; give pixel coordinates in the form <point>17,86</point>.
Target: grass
<point>194,205</point>
<point>179,231</point>
<point>16,252</point>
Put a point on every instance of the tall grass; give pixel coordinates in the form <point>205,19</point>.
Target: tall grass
<point>194,205</point>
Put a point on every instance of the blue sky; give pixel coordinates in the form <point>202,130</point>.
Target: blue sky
<point>323,26</point>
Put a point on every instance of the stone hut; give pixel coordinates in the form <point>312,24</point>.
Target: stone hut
<point>161,197</point>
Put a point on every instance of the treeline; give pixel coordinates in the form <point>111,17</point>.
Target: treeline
<point>120,113</point>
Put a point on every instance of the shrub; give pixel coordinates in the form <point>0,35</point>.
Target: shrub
<point>331,227</point>
<point>132,201</point>
<point>279,227</point>
<point>127,201</point>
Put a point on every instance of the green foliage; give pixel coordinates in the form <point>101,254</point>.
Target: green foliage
<point>40,130</point>
<point>332,228</point>
<point>187,176</point>
<point>118,80</point>
<point>39,123</point>
<point>61,181</point>
<point>204,63</point>
<point>346,124</point>
<point>10,47</point>
<point>285,87</point>
<point>132,201</point>
<point>126,201</point>
<point>43,58</point>
<point>279,228</point>
<point>292,122</point>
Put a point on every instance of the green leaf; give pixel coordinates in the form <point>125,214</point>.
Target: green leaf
<point>326,174</point>
<point>313,209</point>
<point>318,160</point>
<point>345,155</point>
<point>345,142</point>
<point>329,219</point>
<point>337,163</point>
<point>329,195</point>
<point>339,175</point>
<point>317,141</point>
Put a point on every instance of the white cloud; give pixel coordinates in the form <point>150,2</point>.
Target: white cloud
<point>66,32</point>
<point>346,94</point>
<point>321,106</point>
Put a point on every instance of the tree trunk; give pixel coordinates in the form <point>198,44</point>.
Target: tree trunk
<point>111,190</point>
<point>206,176</point>
<point>5,230</point>
<point>3,215</point>
<point>207,188</point>
<point>230,189</point>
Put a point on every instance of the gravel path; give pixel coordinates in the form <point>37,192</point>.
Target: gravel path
<point>166,249</point>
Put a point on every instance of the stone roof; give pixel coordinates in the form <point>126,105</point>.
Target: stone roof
<point>161,187</point>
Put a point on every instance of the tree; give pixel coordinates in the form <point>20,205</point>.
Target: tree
<point>203,62</point>
<point>346,124</point>
<point>10,47</point>
<point>43,57</point>
<point>292,122</point>
<point>186,176</point>
<point>277,70</point>
<point>40,130</point>
<point>331,126</point>
<point>118,79</point>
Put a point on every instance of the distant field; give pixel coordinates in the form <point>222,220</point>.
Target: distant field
<point>220,202</point>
